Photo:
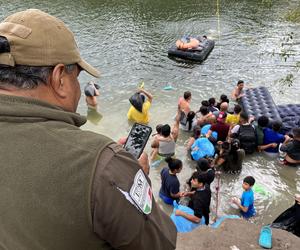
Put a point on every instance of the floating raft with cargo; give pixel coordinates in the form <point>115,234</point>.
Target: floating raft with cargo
<point>198,54</point>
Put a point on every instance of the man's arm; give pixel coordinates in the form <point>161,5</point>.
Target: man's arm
<point>149,96</point>
<point>234,94</point>
<point>116,218</point>
<point>189,217</point>
<point>270,145</point>
<point>208,133</point>
<point>243,208</point>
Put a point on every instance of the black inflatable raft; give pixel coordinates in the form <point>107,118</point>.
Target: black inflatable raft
<point>198,54</point>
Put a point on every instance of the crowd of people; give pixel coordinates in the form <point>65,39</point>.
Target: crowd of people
<point>220,139</point>
<point>65,188</point>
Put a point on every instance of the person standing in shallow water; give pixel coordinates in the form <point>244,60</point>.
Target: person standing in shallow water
<point>246,203</point>
<point>91,92</point>
<point>238,93</point>
<point>141,116</point>
<point>59,183</point>
<point>170,186</point>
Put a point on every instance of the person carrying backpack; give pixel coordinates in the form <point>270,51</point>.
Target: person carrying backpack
<point>246,134</point>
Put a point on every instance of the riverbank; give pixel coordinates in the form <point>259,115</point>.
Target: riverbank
<point>234,235</point>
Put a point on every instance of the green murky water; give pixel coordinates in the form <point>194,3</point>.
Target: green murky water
<point>128,40</point>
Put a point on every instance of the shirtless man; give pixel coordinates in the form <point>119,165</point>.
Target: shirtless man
<point>192,43</point>
<point>237,93</point>
<point>184,103</point>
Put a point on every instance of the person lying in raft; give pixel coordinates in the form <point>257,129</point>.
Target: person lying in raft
<point>200,200</point>
<point>190,43</point>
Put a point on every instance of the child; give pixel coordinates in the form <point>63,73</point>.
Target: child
<point>200,200</point>
<point>155,137</point>
<point>246,204</point>
<point>170,185</point>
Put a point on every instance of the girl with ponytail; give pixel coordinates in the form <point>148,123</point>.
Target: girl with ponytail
<point>170,185</point>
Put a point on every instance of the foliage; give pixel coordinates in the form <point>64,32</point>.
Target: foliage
<point>293,15</point>
<point>286,50</point>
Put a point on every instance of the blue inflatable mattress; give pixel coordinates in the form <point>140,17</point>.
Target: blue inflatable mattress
<point>290,116</point>
<point>258,102</point>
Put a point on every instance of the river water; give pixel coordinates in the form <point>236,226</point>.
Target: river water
<point>128,42</point>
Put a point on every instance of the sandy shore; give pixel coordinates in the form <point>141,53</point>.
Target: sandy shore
<point>234,235</point>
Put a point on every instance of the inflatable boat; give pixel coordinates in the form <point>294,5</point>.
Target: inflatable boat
<point>258,101</point>
<point>198,54</point>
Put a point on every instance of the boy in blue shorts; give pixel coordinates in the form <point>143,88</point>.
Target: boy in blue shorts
<point>246,204</point>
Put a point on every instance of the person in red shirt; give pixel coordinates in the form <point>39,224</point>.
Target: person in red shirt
<point>220,127</point>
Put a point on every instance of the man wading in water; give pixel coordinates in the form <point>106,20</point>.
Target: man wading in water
<point>61,187</point>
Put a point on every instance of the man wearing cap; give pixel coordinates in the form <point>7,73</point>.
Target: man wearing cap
<point>61,187</point>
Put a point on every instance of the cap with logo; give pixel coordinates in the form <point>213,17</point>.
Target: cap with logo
<point>38,39</point>
<point>221,116</point>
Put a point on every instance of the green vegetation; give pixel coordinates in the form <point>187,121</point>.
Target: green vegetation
<point>286,51</point>
<point>293,15</point>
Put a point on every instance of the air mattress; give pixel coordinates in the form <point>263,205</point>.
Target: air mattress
<point>198,54</point>
<point>258,102</point>
<point>290,116</point>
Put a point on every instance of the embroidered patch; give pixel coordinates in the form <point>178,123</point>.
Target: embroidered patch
<point>141,192</point>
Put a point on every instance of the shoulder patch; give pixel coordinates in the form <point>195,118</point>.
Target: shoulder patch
<point>141,192</point>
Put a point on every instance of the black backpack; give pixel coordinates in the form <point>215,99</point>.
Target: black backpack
<point>247,137</point>
<point>183,118</point>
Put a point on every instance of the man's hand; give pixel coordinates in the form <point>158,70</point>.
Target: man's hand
<point>274,145</point>
<point>178,212</point>
<point>144,162</point>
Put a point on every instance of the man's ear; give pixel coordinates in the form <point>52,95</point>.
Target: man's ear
<point>57,82</point>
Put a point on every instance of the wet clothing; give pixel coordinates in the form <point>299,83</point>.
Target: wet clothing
<point>222,129</point>
<point>169,184</point>
<point>233,119</point>
<point>200,203</point>
<point>166,147</point>
<point>57,180</point>
<point>247,200</point>
<point>292,149</point>
<point>185,126</point>
<point>270,136</point>
<point>213,109</point>
<point>259,135</point>
<point>209,176</point>
<point>231,164</point>
<point>140,117</point>
<point>247,136</point>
